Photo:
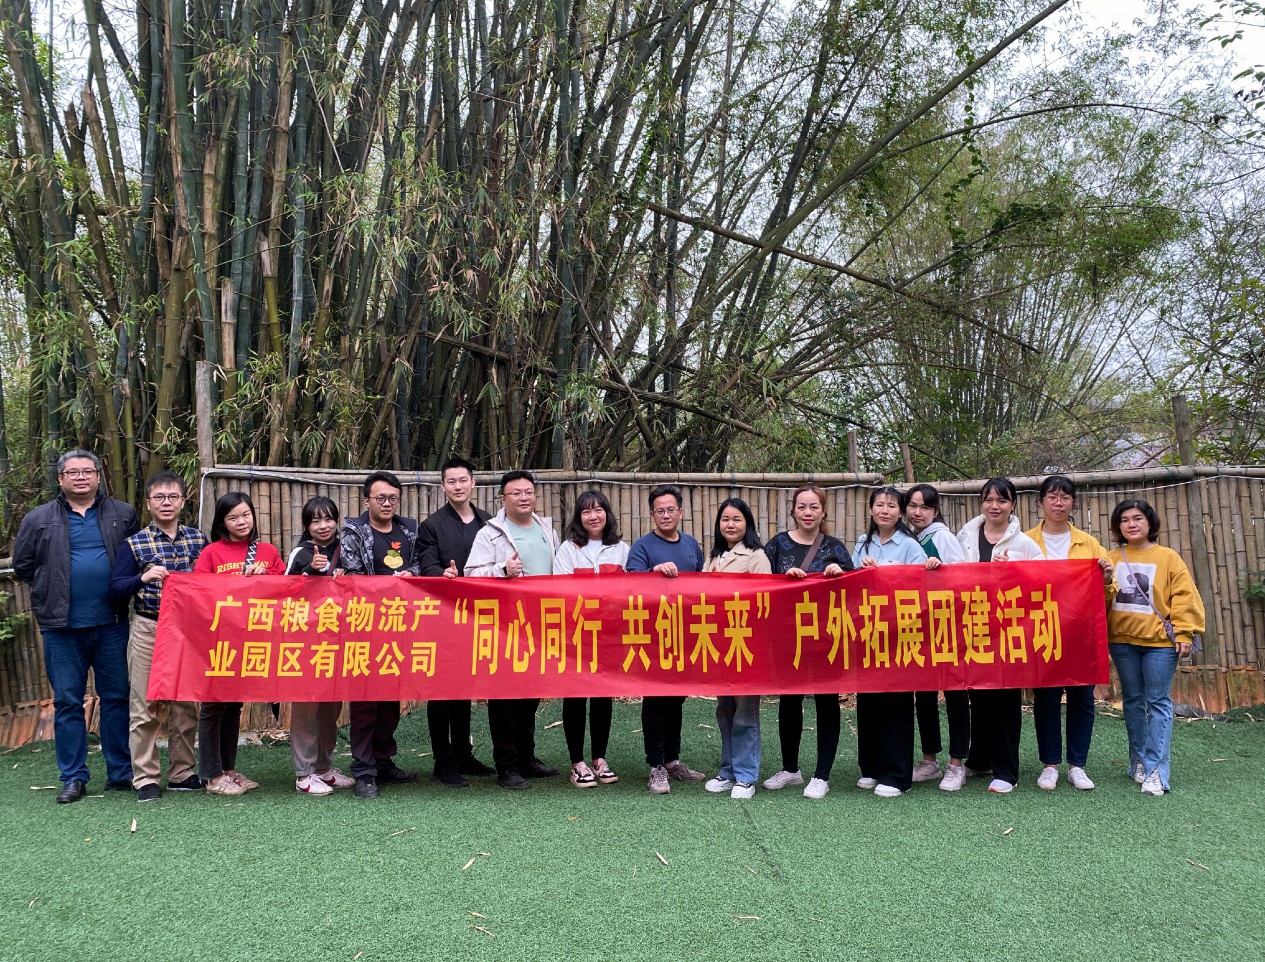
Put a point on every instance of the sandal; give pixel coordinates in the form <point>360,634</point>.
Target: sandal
<point>582,776</point>
<point>603,772</point>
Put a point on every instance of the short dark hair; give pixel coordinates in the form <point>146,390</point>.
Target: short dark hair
<point>377,476</point>
<point>1059,483</point>
<point>318,507</point>
<point>1152,519</point>
<point>1003,487</point>
<point>162,479</point>
<point>509,477</point>
<point>227,502</point>
<point>576,532</point>
<point>662,490</point>
<point>720,543</point>
<point>452,464</point>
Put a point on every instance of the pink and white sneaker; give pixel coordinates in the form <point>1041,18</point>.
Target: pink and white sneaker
<point>313,785</point>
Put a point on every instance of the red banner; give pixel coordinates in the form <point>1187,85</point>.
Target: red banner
<point>897,628</point>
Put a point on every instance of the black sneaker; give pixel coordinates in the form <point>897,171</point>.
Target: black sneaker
<point>118,786</point>
<point>147,793</point>
<point>366,786</point>
<point>393,774</point>
<point>513,781</point>
<point>537,769</point>
<point>191,784</point>
<point>472,766</point>
<point>449,777</point>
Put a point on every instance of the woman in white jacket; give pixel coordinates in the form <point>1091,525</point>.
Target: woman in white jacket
<point>996,715</point>
<point>922,511</point>
<point>591,545</point>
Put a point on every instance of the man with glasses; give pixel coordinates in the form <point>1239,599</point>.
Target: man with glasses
<point>517,543</point>
<point>65,551</point>
<point>669,551</point>
<point>378,543</point>
<point>444,542</point>
<point>141,568</point>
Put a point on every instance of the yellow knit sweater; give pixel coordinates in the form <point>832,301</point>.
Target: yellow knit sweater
<point>1161,573</point>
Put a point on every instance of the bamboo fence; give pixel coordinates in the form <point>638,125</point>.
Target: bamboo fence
<point>1213,516</point>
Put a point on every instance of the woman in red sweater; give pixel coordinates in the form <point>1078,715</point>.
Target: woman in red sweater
<point>235,549</point>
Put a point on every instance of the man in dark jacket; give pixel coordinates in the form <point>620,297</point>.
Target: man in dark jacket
<point>65,550</point>
<point>443,543</point>
<point>379,542</point>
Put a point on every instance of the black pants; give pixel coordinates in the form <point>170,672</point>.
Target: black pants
<point>599,712</point>
<point>885,737</point>
<point>996,721</point>
<point>957,706</point>
<point>513,726</point>
<point>449,724</point>
<point>661,728</point>
<point>373,725</point>
<point>219,723</point>
<point>790,728</point>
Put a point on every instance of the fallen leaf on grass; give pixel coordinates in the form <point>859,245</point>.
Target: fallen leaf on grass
<point>710,728</point>
<point>480,928</point>
<point>1218,759</point>
<point>572,818</point>
<point>42,788</point>
<point>475,858</point>
<point>467,865</point>
<point>746,918</point>
<point>403,831</point>
<point>484,854</point>
<point>813,918</point>
<point>661,858</point>
<point>552,725</point>
<point>133,826</point>
<point>1198,865</point>
<point>31,903</point>
<point>356,956</point>
<point>1008,831</point>
<point>477,915</point>
<point>87,840</point>
<point>750,869</point>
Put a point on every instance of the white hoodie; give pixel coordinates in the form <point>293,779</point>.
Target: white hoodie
<point>1017,545</point>
<point>947,546</point>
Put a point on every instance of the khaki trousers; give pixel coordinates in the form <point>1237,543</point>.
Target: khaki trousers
<point>182,716</point>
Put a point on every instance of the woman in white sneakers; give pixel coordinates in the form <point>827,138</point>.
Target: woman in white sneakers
<point>591,545</point>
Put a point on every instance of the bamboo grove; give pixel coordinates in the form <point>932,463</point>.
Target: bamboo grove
<point>549,234</point>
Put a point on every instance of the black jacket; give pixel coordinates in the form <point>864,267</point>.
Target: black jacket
<point>41,553</point>
<point>441,539</point>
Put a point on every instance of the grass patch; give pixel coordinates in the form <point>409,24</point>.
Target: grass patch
<point>1108,874</point>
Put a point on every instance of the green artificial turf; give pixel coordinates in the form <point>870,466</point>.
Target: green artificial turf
<point>559,873</point>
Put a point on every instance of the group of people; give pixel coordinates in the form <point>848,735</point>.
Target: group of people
<point>88,560</point>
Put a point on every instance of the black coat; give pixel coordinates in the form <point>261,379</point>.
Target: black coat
<point>441,539</point>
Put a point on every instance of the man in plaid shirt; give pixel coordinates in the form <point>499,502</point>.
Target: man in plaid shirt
<point>141,566</point>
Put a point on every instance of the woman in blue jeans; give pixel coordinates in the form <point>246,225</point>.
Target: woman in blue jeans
<point>737,550</point>
<point>1151,623</point>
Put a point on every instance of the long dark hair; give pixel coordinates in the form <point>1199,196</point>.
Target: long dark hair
<point>751,540</point>
<point>227,502</point>
<point>892,492</point>
<point>930,497</point>
<point>576,532</point>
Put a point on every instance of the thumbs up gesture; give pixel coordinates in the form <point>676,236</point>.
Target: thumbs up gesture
<point>451,570</point>
<point>514,567</point>
<point>319,561</point>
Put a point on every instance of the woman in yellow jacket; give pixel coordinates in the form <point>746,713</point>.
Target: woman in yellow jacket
<point>1060,540</point>
<point>1151,623</point>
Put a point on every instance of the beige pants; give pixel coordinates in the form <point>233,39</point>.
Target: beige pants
<point>182,716</point>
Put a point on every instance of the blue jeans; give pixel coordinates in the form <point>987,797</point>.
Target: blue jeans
<point>739,720</point>
<point>1047,713</point>
<point>68,654</point>
<point>1146,682</point>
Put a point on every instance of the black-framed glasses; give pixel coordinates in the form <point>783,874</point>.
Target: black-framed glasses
<point>79,473</point>
<point>386,499</point>
<point>166,498</point>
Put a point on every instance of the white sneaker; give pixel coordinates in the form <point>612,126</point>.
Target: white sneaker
<point>1152,785</point>
<point>887,791</point>
<point>336,779</point>
<point>927,770</point>
<point>816,788</point>
<point>1139,773</point>
<point>313,785</point>
<point>719,784</point>
<point>743,790</point>
<point>866,784</point>
<point>953,779</point>
<point>1079,779</point>
<point>782,779</point>
<point>1049,778</point>
<point>1001,787</point>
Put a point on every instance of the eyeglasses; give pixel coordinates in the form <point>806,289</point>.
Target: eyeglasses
<point>79,473</point>
<point>386,499</point>
<point>664,512</point>
<point>1058,497</point>
<point>166,498</point>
